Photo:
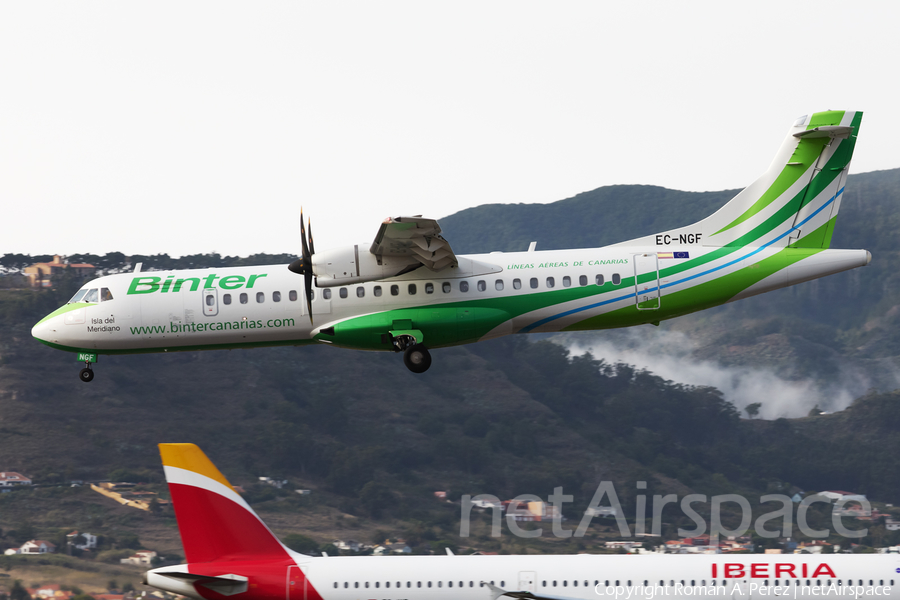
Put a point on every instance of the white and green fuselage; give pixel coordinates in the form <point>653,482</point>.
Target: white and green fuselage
<point>775,233</point>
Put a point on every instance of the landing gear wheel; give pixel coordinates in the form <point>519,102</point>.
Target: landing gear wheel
<point>417,358</point>
<point>86,375</point>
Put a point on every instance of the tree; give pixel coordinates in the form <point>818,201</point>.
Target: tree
<point>301,543</point>
<point>753,409</point>
<point>815,411</point>
<point>18,591</point>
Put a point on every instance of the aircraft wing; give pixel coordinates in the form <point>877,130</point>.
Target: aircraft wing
<point>497,592</point>
<point>414,238</point>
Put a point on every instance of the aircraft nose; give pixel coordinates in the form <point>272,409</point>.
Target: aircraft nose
<point>41,331</point>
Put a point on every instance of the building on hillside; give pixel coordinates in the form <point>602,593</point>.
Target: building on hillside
<point>142,558</point>
<point>529,511</point>
<point>82,541</point>
<point>891,524</point>
<point>50,591</point>
<point>349,545</point>
<point>10,479</point>
<point>843,496</point>
<point>395,548</point>
<point>37,547</point>
<point>42,274</point>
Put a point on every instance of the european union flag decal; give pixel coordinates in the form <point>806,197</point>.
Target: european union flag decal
<point>682,255</point>
<point>673,255</point>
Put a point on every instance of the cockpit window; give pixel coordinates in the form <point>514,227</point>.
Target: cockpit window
<point>105,294</point>
<point>91,296</point>
<point>77,297</point>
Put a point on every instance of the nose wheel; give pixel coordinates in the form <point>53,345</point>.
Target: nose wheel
<point>86,374</point>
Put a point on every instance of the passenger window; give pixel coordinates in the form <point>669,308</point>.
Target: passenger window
<point>276,296</point>
<point>429,288</point>
<point>105,294</point>
<point>210,299</point>
<point>226,299</point>
<point>533,283</point>
<point>326,294</point>
<point>551,282</point>
<point>360,292</point>
<point>377,291</point>
<point>91,296</point>
<point>567,281</point>
<point>395,290</point>
<point>464,286</point>
<point>292,295</point>
<point>343,294</point>
<point>243,298</point>
<point>445,287</point>
<point>481,285</point>
<point>78,295</point>
<point>412,289</point>
<point>517,284</point>
<point>582,280</point>
<point>498,285</point>
<point>616,279</point>
<point>260,297</point>
<point>599,279</point>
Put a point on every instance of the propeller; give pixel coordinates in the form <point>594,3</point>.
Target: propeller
<point>303,265</point>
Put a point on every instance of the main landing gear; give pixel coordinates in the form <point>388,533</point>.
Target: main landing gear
<point>416,356</point>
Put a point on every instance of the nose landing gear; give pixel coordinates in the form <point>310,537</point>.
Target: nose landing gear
<point>86,374</point>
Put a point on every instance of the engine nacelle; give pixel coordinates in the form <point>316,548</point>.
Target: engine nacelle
<point>342,266</point>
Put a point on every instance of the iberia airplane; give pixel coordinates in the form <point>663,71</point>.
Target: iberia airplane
<point>230,552</point>
<point>408,291</point>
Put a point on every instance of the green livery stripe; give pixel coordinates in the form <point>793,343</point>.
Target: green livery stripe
<point>825,118</point>
<point>699,297</point>
<point>807,152</point>
<point>64,309</point>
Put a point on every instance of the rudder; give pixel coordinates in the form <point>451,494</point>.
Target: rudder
<point>216,524</point>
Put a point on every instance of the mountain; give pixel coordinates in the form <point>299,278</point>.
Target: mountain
<point>509,416</point>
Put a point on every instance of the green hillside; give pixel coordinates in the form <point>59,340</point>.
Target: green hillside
<point>505,417</point>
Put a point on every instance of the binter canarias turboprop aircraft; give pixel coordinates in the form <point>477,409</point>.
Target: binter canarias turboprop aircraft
<point>407,291</point>
<point>229,551</point>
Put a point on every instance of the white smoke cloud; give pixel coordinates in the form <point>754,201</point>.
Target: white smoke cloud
<point>669,354</point>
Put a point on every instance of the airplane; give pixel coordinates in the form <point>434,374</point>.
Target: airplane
<point>229,551</point>
<point>408,291</point>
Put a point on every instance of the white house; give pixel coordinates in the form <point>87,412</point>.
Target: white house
<point>351,545</point>
<point>140,558</point>
<point>89,541</point>
<point>842,495</point>
<point>37,547</point>
<point>11,479</point>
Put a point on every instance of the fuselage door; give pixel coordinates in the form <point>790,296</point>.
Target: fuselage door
<point>296,582</point>
<point>321,305</point>
<point>210,302</point>
<point>646,281</point>
<point>527,581</point>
